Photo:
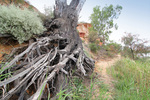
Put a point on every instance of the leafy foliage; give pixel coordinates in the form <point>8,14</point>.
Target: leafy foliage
<point>113,46</point>
<point>134,45</point>
<point>102,20</point>
<point>92,36</point>
<point>21,23</point>
<point>94,47</point>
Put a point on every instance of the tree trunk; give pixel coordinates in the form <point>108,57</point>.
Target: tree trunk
<point>103,40</point>
<point>132,53</point>
<point>46,65</point>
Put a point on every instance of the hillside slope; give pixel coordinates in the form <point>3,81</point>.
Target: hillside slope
<point>20,3</point>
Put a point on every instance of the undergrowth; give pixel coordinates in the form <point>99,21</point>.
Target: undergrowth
<point>4,75</point>
<point>79,91</point>
<point>94,47</point>
<point>133,79</point>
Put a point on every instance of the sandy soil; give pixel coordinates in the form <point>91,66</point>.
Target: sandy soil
<point>101,70</point>
<point>6,46</point>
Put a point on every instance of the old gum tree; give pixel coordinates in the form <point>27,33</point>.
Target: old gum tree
<point>46,65</point>
<point>102,20</point>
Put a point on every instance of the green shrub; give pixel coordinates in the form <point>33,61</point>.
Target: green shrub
<point>113,46</point>
<point>21,23</point>
<point>126,52</point>
<point>94,47</point>
<point>93,36</point>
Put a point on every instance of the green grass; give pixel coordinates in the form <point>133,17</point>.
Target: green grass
<point>4,75</point>
<point>81,92</point>
<point>87,53</point>
<point>103,91</point>
<point>78,91</point>
<point>133,79</point>
<point>94,47</point>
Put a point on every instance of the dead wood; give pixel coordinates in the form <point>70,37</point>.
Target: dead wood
<point>50,58</point>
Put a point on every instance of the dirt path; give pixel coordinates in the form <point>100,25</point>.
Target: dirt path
<point>101,70</point>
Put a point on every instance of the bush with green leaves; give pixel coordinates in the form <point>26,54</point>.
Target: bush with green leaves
<point>93,36</point>
<point>94,47</point>
<point>20,23</point>
<point>113,47</point>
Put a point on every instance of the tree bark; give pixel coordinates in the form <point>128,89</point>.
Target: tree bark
<point>132,53</point>
<point>50,59</point>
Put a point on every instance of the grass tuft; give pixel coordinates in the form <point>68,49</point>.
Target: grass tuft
<point>96,90</point>
<point>133,79</point>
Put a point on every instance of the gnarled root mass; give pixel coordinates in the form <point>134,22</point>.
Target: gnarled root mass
<point>42,64</point>
<point>47,64</point>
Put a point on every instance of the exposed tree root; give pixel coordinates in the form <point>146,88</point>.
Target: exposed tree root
<point>49,59</point>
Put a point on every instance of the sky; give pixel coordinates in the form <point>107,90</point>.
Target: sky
<point>134,17</point>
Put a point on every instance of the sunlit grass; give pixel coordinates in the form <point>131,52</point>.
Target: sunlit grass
<point>96,90</point>
<point>133,79</point>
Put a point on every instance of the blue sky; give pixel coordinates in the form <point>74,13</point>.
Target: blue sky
<point>134,18</point>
